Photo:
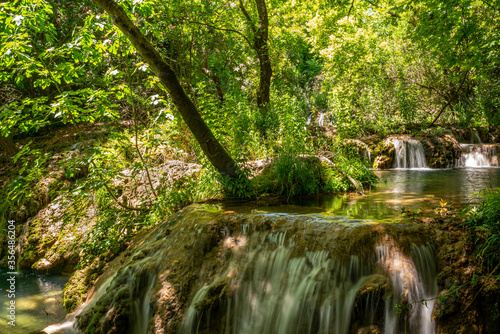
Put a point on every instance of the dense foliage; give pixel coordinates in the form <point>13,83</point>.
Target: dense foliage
<point>358,66</point>
<point>485,222</point>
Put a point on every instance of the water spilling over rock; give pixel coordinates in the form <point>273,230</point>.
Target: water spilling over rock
<point>480,155</point>
<point>409,153</point>
<point>208,271</point>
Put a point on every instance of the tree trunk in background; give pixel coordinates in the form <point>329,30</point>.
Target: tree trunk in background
<point>7,146</point>
<point>262,48</point>
<point>214,151</point>
<point>260,45</point>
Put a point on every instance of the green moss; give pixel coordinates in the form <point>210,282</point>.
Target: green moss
<point>76,288</point>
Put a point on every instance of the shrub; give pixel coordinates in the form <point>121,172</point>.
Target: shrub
<point>485,220</point>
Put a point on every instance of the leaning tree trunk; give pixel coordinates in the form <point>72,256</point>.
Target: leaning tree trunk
<point>7,146</point>
<point>214,151</point>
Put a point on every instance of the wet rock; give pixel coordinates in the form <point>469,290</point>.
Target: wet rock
<point>383,162</point>
<point>229,257</point>
<point>369,330</point>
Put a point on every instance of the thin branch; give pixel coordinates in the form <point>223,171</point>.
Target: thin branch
<point>439,113</point>
<point>481,288</point>
<point>225,29</point>
<point>247,16</point>
<point>431,88</point>
<point>139,151</point>
<point>490,5</point>
<point>123,205</point>
<point>349,12</point>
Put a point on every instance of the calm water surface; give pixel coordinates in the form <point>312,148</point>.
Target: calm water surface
<point>38,301</point>
<point>412,189</point>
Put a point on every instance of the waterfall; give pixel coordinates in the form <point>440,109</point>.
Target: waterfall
<point>409,153</point>
<point>366,152</point>
<point>321,119</point>
<point>480,155</point>
<point>272,290</point>
<point>309,118</point>
<point>209,272</point>
<point>474,137</point>
<point>410,285</point>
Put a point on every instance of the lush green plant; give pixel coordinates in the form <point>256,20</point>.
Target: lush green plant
<point>296,175</point>
<point>32,164</point>
<point>485,220</point>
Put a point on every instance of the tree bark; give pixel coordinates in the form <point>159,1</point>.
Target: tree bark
<point>214,151</point>
<point>7,146</point>
<point>216,80</point>
<point>260,45</point>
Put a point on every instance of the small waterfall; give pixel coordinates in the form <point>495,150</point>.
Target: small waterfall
<point>413,284</point>
<point>271,290</point>
<point>366,152</point>
<point>474,137</point>
<point>309,118</point>
<point>321,119</point>
<point>409,153</point>
<point>480,155</point>
<point>275,292</point>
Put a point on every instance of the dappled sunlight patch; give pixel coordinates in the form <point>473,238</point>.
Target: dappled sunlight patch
<point>235,243</point>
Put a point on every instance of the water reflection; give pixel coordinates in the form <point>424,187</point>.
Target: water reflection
<point>38,301</point>
<point>412,189</point>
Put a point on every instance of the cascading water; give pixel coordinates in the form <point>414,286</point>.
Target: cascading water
<point>409,153</point>
<point>275,292</point>
<point>321,119</point>
<point>480,155</point>
<point>366,152</point>
<point>205,271</point>
<point>272,289</point>
<point>474,138</point>
<point>412,284</point>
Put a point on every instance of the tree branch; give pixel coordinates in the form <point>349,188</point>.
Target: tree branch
<point>225,29</point>
<point>350,8</point>
<point>377,6</point>
<point>449,101</point>
<point>431,88</point>
<point>490,5</point>
<point>247,16</point>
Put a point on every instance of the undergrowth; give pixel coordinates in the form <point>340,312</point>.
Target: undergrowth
<point>484,219</point>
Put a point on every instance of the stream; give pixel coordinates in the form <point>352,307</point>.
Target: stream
<point>318,265</point>
<point>412,189</point>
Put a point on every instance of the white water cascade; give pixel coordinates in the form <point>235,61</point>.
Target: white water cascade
<point>480,155</point>
<point>409,153</point>
<point>208,272</point>
<point>273,291</point>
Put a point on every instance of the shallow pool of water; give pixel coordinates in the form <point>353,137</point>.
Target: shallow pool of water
<point>411,189</point>
<point>38,301</point>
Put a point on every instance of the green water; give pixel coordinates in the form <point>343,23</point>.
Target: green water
<point>38,301</point>
<point>412,189</point>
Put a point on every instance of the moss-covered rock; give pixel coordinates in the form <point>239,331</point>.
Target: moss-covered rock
<point>383,162</point>
<point>206,250</point>
<point>54,236</point>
